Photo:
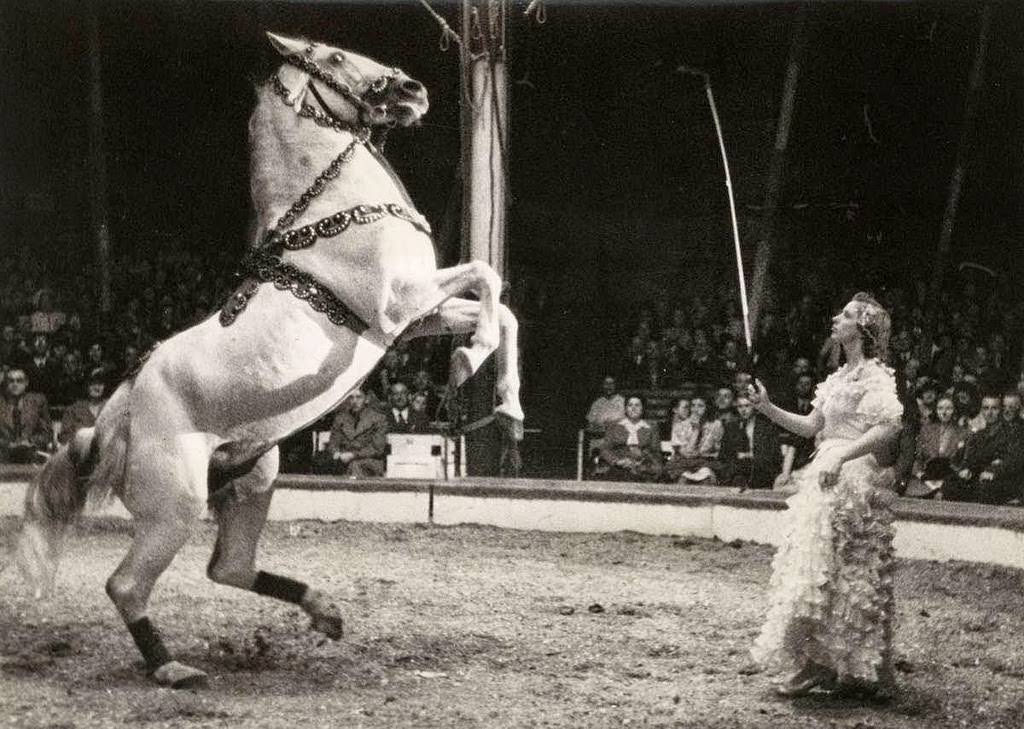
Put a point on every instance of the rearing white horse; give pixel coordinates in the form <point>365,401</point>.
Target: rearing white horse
<point>342,266</point>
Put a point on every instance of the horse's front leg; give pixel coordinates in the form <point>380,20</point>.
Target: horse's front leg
<point>241,507</point>
<point>460,316</point>
<point>474,276</point>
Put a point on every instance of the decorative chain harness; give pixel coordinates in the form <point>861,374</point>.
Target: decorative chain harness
<point>264,264</point>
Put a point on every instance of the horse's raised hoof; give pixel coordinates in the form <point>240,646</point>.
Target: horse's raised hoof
<point>179,676</point>
<point>325,615</point>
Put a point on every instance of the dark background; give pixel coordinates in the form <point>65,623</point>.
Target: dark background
<point>617,188</point>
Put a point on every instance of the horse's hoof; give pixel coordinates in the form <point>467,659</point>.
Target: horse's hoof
<point>325,615</point>
<point>179,676</point>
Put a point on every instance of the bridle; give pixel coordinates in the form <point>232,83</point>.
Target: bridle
<point>370,114</point>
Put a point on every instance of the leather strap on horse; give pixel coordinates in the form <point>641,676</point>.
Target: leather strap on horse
<point>263,267</point>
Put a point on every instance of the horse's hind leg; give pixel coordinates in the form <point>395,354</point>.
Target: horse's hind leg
<point>241,513</point>
<point>166,504</point>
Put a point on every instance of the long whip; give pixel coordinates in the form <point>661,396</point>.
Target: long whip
<point>687,71</point>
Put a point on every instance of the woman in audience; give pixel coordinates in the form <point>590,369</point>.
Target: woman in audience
<point>937,441</point>
<point>632,449</point>
<point>696,441</point>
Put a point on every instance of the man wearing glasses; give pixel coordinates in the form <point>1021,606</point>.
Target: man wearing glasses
<point>25,432</point>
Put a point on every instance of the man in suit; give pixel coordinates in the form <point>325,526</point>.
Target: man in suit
<point>990,467</point>
<point>751,455</point>
<point>400,417</point>
<point>357,443</point>
<point>25,429</point>
<point>41,367</point>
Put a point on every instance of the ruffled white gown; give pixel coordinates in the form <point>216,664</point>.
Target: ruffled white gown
<point>830,597</point>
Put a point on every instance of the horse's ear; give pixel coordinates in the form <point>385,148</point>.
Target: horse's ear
<point>286,46</point>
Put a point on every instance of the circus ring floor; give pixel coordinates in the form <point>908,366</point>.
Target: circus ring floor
<point>518,604</point>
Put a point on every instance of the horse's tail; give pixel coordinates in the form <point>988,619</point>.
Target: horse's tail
<point>80,472</point>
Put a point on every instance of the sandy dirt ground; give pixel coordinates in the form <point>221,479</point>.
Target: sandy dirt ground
<point>479,627</point>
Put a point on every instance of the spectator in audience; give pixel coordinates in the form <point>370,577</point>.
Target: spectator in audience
<point>742,380</point>
<point>696,443</point>
<point>926,393</point>
<point>130,361</point>
<point>732,361</point>
<point>96,359</point>
<point>800,402</point>
<point>966,404</point>
<point>938,441</point>
<point>8,343</point>
<point>751,454</point>
<point>636,368</point>
<point>419,417</point>
<point>41,368</point>
<point>990,467</point>
<point>703,366</point>
<point>358,441</point>
<point>386,374</point>
<point>82,413</point>
<point>422,382</point>
<point>70,380</point>
<point>632,449</point>
<point>725,405</point>
<point>678,424</point>
<point>609,407</point>
<point>801,366</point>
<point>25,429</point>
<point>400,418</point>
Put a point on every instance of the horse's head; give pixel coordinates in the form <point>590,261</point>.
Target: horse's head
<point>349,87</point>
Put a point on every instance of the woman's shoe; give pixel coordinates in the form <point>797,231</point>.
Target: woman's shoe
<point>806,680</point>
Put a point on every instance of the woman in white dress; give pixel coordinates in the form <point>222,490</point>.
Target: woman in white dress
<point>830,611</point>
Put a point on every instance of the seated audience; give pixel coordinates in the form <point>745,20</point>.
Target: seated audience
<point>632,449</point>
<point>422,382</point>
<point>725,405</point>
<point>419,415</point>
<point>937,442</point>
<point>82,413</point>
<point>41,368</point>
<point>696,442</point>
<point>990,467</point>
<point>401,418</point>
<point>926,393</point>
<point>608,408</point>
<point>25,429</point>
<point>751,453</point>
<point>70,380</point>
<point>801,403</point>
<point>967,406</point>
<point>358,441</point>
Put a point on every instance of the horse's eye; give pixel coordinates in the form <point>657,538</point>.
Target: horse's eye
<point>338,58</point>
